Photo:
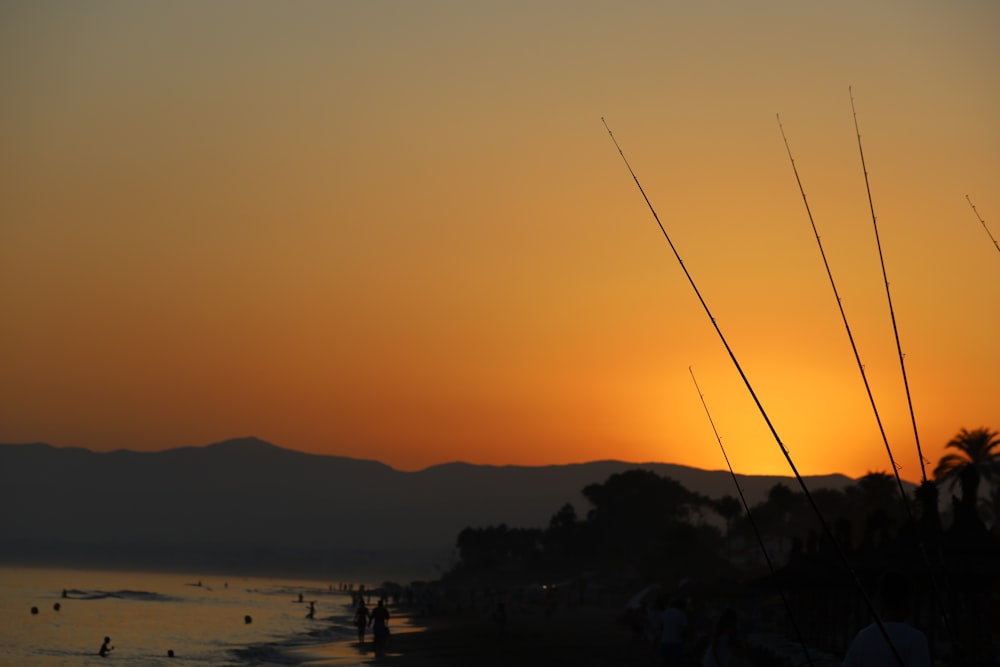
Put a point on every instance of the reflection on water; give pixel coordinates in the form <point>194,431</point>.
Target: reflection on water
<point>146,615</point>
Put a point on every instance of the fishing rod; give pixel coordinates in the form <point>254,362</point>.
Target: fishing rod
<point>753,524</point>
<point>843,315</point>
<point>805,490</point>
<point>983,222</point>
<point>888,295</point>
<point>935,585</point>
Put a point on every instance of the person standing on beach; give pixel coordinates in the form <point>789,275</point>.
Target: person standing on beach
<point>870,649</point>
<point>380,629</point>
<point>361,620</point>
<point>672,624</point>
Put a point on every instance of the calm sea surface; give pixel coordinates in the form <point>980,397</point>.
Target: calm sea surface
<point>148,614</point>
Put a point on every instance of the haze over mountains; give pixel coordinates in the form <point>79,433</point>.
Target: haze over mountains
<point>246,505</point>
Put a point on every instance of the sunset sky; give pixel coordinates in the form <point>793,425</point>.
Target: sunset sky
<point>399,230</point>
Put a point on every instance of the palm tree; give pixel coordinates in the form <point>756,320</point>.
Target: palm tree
<point>978,458</point>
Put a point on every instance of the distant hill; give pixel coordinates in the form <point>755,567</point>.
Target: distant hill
<point>248,504</point>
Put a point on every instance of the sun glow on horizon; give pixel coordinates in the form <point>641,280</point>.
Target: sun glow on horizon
<point>406,236</point>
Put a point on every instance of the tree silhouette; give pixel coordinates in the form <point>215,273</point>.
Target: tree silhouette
<point>498,547</point>
<point>878,488</point>
<point>639,522</point>
<point>729,509</point>
<point>632,505</point>
<point>563,541</point>
<point>978,458</point>
<point>776,514</point>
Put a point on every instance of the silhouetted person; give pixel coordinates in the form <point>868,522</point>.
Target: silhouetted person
<point>248,619</point>
<point>380,626</point>
<point>869,648</point>
<point>725,646</point>
<point>64,593</point>
<point>170,653</point>
<point>57,606</point>
<point>672,624</point>
<point>106,647</point>
<point>361,620</point>
<point>312,609</point>
<point>34,610</point>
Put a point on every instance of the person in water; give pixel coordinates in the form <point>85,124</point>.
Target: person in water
<point>106,647</point>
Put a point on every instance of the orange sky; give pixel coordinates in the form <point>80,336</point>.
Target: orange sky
<point>399,231</point>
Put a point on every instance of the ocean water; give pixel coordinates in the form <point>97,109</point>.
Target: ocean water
<point>148,614</point>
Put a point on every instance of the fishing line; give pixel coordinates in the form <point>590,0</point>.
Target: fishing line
<point>983,222</point>
<point>805,490</point>
<point>753,524</point>
<point>888,295</point>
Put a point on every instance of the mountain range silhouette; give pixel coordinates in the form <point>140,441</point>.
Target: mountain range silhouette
<point>249,505</point>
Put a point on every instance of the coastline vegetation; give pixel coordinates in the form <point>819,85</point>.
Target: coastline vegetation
<point>646,530</point>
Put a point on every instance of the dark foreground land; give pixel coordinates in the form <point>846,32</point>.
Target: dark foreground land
<point>578,636</point>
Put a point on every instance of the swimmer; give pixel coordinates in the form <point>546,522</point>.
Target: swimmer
<point>106,647</point>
